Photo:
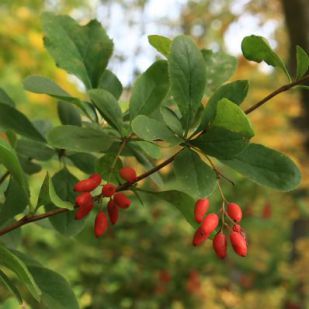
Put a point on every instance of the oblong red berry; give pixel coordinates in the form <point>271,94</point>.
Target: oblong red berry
<point>83,199</point>
<point>199,237</point>
<point>239,243</point>
<point>234,211</point>
<point>96,177</point>
<point>210,223</point>
<point>128,174</point>
<point>122,200</point>
<point>220,245</point>
<point>100,224</point>
<point>113,211</point>
<point>201,207</point>
<point>87,185</point>
<point>108,190</point>
<point>83,211</point>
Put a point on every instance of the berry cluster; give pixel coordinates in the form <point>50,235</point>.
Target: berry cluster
<point>85,202</point>
<point>208,224</point>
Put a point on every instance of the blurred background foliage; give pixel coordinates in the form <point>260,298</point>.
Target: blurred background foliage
<point>147,261</point>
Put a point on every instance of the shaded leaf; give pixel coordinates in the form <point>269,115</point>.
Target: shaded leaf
<point>68,114</point>
<point>110,82</point>
<point>84,161</point>
<point>5,99</point>
<point>187,77</point>
<point>302,60</point>
<point>69,43</point>
<point>193,175</point>
<point>266,167</point>
<point>11,118</point>
<point>10,286</point>
<point>79,139</point>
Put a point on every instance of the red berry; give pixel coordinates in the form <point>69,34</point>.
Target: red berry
<point>199,237</point>
<point>201,207</point>
<point>128,174</point>
<point>113,211</point>
<point>83,211</point>
<point>108,190</point>
<point>239,243</point>
<point>122,200</point>
<point>220,245</point>
<point>210,223</point>
<point>83,199</point>
<point>88,184</point>
<point>101,224</point>
<point>237,228</point>
<point>96,177</point>
<point>234,212</point>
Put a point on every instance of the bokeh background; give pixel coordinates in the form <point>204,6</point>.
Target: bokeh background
<point>147,261</point>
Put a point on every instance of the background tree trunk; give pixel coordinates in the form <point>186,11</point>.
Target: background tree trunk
<point>297,22</point>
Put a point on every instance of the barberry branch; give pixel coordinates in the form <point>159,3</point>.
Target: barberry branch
<point>32,218</point>
<point>276,92</point>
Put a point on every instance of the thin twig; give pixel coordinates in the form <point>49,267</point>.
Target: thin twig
<point>276,92</point>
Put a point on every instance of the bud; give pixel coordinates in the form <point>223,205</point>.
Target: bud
<point>113,211</point>
<point>234,212</point>
<point>201,207</point>
<point>108,190</point>
<point>128,174</point>
<point>122,200</point>
<point>239,243</point>
<point>210,223</point>
<point>220,245</point>
<point>101,224</point>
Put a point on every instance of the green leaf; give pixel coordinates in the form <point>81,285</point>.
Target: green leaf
<point>182,201</point>
<point>229,133</point>
<point>106,167</point>
<point>150,129</point>
<point>149,90</point>
<point>10,160</point>
<point>56,291</point>
<point>5,99</point>
<point>68,114</point>
<point>65,223</point>
<point>302,59</point>
<point>256,48</point>
<point>150,149</point>
<point>187,78</point>
<point>15,201</point>
<point>161,43</point>
<point>44,85</point>
<point>48,195</point>
<point>108,107</point>
<point>79,139</point>
<point>34,150</point>
<point>84,161</point>
<point>10,286</point>
<point>266,167</point>
<point>235,91</point>
<point>80,50</point>
<point>28,166</point>
<point>12,262</point>
<point>219,68</point>
<point>193,175</point>
<point>11,118</point>
<point>110,82</point>
<point>171,120</point>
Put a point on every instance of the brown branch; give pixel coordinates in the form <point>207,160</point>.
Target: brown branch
<point>28,219</point>
<point>276,92</point>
